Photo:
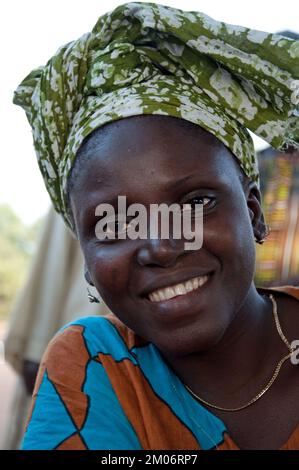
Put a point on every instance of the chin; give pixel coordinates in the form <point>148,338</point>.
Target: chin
<point>187,341</point>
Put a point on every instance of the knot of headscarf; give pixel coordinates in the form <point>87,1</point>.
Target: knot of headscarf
<point>146,58</point>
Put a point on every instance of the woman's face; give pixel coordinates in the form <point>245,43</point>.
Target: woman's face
<point>150,159</point>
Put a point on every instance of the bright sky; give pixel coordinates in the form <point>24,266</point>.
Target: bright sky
<point>30,33</point>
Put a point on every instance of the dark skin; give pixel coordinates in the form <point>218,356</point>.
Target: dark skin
<point>221,339</point>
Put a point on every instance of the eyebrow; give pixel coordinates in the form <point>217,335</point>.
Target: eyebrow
<point>107,183</point>
<point>179,182</point>
<point>170,185</point>
<point>205,183</point>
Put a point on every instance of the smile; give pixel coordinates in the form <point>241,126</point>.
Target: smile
<point>180,289</point>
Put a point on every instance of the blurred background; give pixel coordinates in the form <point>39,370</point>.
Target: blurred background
<point>36,297</point>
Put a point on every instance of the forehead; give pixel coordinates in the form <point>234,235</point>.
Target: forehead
<point>139,149</point>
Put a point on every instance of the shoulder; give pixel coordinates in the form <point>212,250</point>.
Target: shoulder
<point>75,346</point>
<point>287,300</point>
<point>94,335</point>
<point>287,297</point>
<point>74,392</point>
<point>291,293</point>
<point>96,338</point>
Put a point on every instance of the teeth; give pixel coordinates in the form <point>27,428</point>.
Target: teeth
<point>179,289</point>
<point>169,292</point>
<point>189,286</point>
<point>201,281</point>
<point>161,295</point>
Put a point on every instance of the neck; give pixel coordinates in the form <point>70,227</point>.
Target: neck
<point>244,352</point>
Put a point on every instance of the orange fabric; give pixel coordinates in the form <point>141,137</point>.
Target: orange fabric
<point>290,290</point>
<point>227,444</point>
<point>155,423</point>
<point>72,374</point>
<point>72,443</point>
<point>138,400</point>
<point>293,441</point>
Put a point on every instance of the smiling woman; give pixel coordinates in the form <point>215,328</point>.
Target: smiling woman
<point>126,272</point>
<point>194,354</point>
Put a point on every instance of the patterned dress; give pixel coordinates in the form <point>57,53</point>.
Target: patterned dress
<point>102,387</point>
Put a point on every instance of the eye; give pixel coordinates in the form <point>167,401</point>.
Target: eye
<point>115,227</point>
<point>205,201</point>
<point>200,200</point>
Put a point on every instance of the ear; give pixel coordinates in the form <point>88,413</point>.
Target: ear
<point>87,276</point>
<point>255,211</point>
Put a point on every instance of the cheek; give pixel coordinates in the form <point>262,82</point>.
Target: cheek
<point>230,238</point>
<point>109,270</point>
<point>244,243</point>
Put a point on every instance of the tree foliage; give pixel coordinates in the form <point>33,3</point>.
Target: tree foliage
<point>17,246</point>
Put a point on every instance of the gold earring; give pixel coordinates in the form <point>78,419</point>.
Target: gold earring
<point>92,298</point>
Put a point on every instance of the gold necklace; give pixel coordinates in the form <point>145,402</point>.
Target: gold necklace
<point>271,381</point>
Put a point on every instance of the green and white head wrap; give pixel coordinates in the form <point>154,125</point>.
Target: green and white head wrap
<point>146,58</point>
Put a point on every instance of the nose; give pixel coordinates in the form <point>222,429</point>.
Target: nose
<point>160,252</point>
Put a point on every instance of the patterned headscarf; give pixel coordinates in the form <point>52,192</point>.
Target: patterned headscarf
<point>146,58</point>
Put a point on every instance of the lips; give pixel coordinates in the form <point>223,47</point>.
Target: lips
<point>183,309</point>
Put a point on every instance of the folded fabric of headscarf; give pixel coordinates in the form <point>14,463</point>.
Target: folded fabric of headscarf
<point>147,58</point>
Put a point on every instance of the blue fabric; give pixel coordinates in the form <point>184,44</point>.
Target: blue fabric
<point>107,425</point>
<point>49,414</point>
<point>206,427</point>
